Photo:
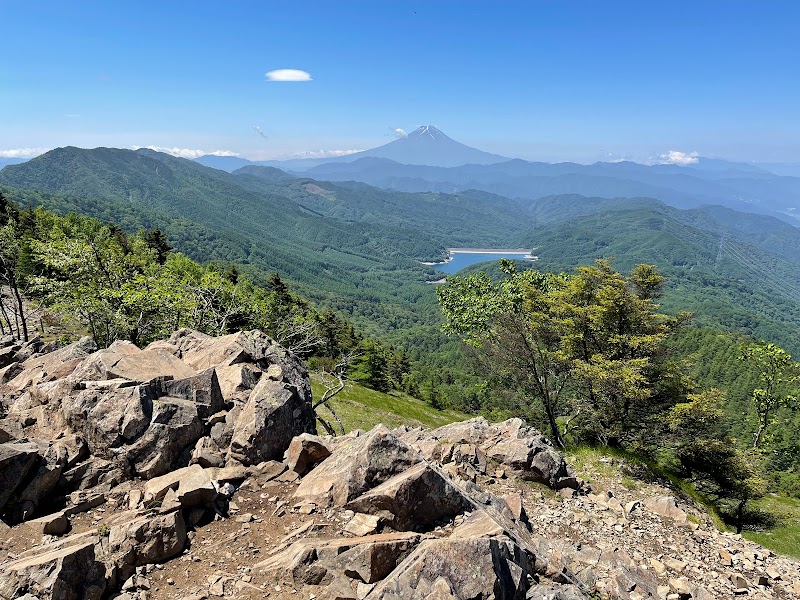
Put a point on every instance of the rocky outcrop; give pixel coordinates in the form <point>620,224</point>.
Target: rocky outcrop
<point>69,572</point>
<point>155,473</point>
<point>356,465</point>
<point>511,445</point>
<point>80,423</point>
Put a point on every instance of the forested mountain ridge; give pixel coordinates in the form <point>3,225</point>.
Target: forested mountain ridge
<point>368,269</point>
<point>741,187</point>
<point>355,248</point>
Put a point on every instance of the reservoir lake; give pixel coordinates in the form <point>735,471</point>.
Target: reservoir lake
<point>463,258</point>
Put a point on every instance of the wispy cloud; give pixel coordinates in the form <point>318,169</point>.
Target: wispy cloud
<point>674,157</point>
<point>22,152</point>
<point>287,75</point>
<point>321,153</point>
<point>398,133</point>
<point>189,153</point>
<point>260,132</point>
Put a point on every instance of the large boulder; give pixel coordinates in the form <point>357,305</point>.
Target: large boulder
<point>305,452</point>
<point>366,559</point>
<point>168,441</point>
<point>415,499</point>
<point>480,568</point>
<point>357,465</point>
<point>66,572</point>
<point>110,416</point>
<point>138,539</point>
<point>275,412</point>
<point>192,485</point>
<point>201,388</point>
<point>16,462</point>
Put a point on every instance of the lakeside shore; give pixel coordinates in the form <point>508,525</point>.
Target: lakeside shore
<point>527,253</point>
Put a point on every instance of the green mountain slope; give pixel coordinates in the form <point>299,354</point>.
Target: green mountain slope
<point>354,249</point>
<point>740,274</point>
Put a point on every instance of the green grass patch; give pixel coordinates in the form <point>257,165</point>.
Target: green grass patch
<point>362,408</point>
<point>784,536</point>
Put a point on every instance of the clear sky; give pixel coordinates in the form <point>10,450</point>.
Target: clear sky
<point>555,80</point>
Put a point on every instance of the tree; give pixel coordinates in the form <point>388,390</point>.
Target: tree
<point>711,458</point>
<point>157,242</point>
<point>11,249</point>
<point>588,345</point>
<point>778,376</point>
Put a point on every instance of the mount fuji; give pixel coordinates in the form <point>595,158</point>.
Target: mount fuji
<point>426,145</point>
<point>429,146</point>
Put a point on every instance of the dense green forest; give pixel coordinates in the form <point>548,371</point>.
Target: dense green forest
<point>353,252</point>
<point>95,278</point>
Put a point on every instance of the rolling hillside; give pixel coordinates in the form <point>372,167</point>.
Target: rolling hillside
<point>356,248</point>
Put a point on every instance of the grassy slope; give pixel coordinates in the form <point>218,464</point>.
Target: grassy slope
<point>784,536</point>
<point>362,408</point>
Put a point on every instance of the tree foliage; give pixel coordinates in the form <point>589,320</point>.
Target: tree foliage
<point>588,346</point>
<point>778,377</point>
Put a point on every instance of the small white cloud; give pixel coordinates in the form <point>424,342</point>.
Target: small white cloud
<point>287,75</point>
<point>398,133</point>
<point>674,157</point>
<point>260,131</point>
<point>322,153</point>
<point>189,153</point>
<point>22,152</point>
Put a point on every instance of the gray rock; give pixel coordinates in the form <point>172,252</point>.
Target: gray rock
<point>413,500</point>
<point>201,388</point>
<point>357,465</point>
<point>142,539</point>
<point>276,412</point>
<point>69,572</point>
<point>480,568</point>
<point>168,442</point>
<point>16,462</point>
<point>305,452</point>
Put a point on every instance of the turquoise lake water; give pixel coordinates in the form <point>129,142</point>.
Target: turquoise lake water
<point>465,259</point>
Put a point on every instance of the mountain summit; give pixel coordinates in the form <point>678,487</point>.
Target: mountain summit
<point>428,145</point>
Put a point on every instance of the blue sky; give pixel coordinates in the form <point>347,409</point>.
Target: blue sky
<point>541,80</point>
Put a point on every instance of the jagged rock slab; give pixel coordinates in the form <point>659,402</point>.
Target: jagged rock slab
<point>414,500</point>
<point>275,412</point>
<point>355,466</point>
<point>305,452</point>
<point>64,573</point>
<point>16,461</point>
<point>480,568</point>
<point>317,562</point>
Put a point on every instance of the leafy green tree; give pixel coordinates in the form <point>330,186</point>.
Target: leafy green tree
<point>11,249</point>
<point>710,458</point>
<point>157,241</point>
<point>778,376</point>
<point>587,345</point>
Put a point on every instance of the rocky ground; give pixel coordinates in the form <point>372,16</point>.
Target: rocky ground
<point>189,469</point>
